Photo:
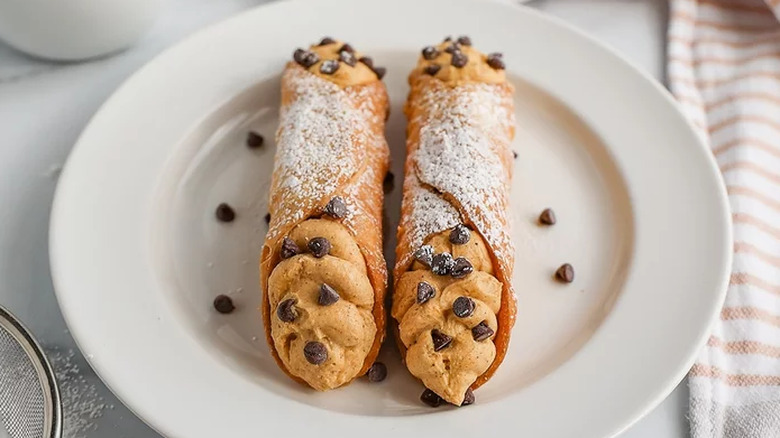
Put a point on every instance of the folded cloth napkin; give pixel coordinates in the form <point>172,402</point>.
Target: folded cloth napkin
<point>724,68</point>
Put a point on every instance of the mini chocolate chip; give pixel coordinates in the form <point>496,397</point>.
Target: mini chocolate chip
<point>380,72</point>
<point>461,267</point>
<point>547,217</point>
<point>377,372</point>
<point>430,398</point>
<point>224,304</point>
<point>254,140</point>
<point>424,255</point>
<point>289,248</point>
<point>307,59</point>
<point>225,213</point>
<point>432,69</point>
<point>389,182</point>
<point>268,218</point>
<point>442,264</point>
<point>367,61</point>
<point>286,311</point>
<point>463,307</point>
<point>469,398</point>
<point>459,59</point>
<point>496,61</point>
<point>319,247</point>
<point>348,58</point>
<point>329,66</point>
<point>460,235</point>
<point>465,40</point>
<point>336,208</point>
<point>347,48</point>
<point>298,55</point>
<point>514,154</point>
<point>481,331</point>
<point>429,52</point>
<point>327,40</point>
<point>565,273</point>
<point>440,340</point>
<point>447,39</point>
<point>424,292</point>
<point>328,295</point>
<point>452,48</point>
<point>315,353</point>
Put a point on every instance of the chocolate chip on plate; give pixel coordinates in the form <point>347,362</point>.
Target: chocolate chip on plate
<point>389,182</point>
<point>452,48</point>
<point>327,40</point>
<point>224,304</point>
<point>442,263</point>
<point>430,398</point>
<point>328,295</point>
<point>225,213</point>
<point>429,52</point>
<point>461,267</point>
<point>254,140</point>
<point>268,218</point>
<point>286,311</point>
<point>336,208</point>
<point>289,248</point>
<point>424,292</point>
<point>348,58</point>
<point>432,69</point>
<point>463,307</point>
<point>459,59</point>
<point>440,340</point>
<point>377,372</point>
<point>565,273</point>
<point>329,66</point>
<point>347,48</point>
<point>481,331</point>
<point>315,352</point>
<point>424,255</point>
<point>496,61</point>
<point>367,61</point>
<point>547,217</point>
<point>319,247</point>
<point>464,40</point>
<point>514,154</point>
<point>380,72</point>
<point>469,398</point>
<point>460,235</point>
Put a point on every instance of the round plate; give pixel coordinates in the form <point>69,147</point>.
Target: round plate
<point>138,256</point>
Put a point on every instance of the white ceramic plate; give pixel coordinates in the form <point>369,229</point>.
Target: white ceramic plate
<point>137,256</point>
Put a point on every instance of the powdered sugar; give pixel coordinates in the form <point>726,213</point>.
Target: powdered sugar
<point>430,213</point>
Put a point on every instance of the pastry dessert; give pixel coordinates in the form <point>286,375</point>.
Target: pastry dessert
<point>322,269</point>
<point>453,298</point>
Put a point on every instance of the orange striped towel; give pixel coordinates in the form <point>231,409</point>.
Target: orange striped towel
<point>724,68</point>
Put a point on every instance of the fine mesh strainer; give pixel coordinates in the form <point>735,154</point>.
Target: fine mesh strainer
<point>29,399</point>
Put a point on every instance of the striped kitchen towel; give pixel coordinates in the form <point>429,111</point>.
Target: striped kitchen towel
<point>724,68</point>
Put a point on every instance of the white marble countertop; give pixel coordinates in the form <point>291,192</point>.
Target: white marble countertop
<point>43,108</point>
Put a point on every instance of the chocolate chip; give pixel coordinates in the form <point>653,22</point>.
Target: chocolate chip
<point>286,311</point>
<point>432,69</point>
<point>452,48</point>
<point>224,304</point>
<point>307,58</point>
<point>329,66</point>
<point>465,40</point>
<point>225,213</point>
<point>430,52</point>
<point>327,40</point>
<point>460,235</point>
<point>328,295</point>
<point>463,307</point>
<point>289,248</point>
<point>442,264</point>
<point>440,340</point>
<point>469,398</point>
<point>389,182</point>
<point>268,218</point>
<point>336,208</point>
<point>424,255</point>
<point>424,292</point>
<point>319,247</point>
<point>315,353</point>
<point>481,331</point>
<point>298,55</point>
<point>347,48</point>
<point>430,398</point>
<point>565,273</point>
<point>367,61</point>
<point>447,39</point>
<point>514,154</point>
<point>547,217</point>
<point>380,72</point>
<point>254,140</point>
<point>377,372</point>
<point>461,267</point>
<point>496,61</point>
<point>459,59</point>
<point>348,58</point>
